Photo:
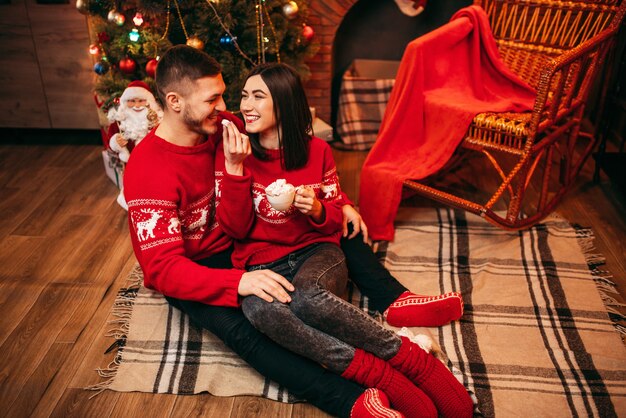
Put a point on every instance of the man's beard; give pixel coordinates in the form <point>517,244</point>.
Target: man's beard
<point>135,125</point>
<point>197,125</point>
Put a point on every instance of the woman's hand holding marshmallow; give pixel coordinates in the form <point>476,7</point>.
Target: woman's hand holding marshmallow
<point>236,148</point>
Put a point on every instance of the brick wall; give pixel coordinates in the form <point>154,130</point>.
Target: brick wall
<point>325,16</point>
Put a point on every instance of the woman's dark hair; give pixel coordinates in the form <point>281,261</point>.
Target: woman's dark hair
<point>181,64</point>
<point>292,112</point>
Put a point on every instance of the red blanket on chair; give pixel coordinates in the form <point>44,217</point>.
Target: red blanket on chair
<point>446,77</point>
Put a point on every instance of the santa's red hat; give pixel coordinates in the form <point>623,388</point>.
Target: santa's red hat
<point>139,89</point>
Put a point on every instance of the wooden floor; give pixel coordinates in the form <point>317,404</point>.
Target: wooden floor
<point>64,253</point>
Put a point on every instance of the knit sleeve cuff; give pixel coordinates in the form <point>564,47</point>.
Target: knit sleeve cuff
<point>232,179</point>
<point>230,279</point>
<point>332,219</point>
<point>346,199</point>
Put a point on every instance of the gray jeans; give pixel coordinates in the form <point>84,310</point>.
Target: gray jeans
<point>317,324</point>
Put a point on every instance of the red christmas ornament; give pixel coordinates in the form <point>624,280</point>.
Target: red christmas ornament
<point>127,65</point>
<point>103,37</point>
<point>308,33</point>
<point>151,67</point>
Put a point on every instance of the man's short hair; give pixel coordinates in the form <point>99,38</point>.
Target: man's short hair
<point>180,65</point>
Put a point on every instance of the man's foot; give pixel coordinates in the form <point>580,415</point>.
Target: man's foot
<point>372,372</point>
<point>373,403</point>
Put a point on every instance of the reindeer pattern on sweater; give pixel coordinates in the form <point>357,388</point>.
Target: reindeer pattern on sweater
<point>158,222</point>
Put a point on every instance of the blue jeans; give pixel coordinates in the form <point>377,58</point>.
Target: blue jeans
<point>317,324</point>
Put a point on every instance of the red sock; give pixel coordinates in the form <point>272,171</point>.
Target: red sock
<point>429,374</point>
<point>373,403</point>
<point>411,310</point>
<point>371,371</point>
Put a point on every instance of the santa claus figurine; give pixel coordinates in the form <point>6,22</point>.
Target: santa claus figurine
<point>131,121</point>
<point>137,113</point>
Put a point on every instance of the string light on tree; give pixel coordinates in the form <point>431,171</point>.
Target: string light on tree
<point>133,35</point>
<point>260,47</point>
<point>94,49</point>
<point>165,32</point>
<point>138,19</point>
<point>271,25</point>
<point>192,41</point>
<point>227,42</point>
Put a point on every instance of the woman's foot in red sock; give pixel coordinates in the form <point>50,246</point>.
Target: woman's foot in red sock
<point>433,377</point>
<point>411,310</point>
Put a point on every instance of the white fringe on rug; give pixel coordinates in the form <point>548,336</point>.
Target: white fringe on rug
<point>602,278</point>
<point>122,310</point>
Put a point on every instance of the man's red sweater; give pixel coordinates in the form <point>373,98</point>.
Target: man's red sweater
<point>276,233</point>
<point>170,191</point>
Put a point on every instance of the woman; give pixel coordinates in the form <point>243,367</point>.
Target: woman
<point>302,244</point>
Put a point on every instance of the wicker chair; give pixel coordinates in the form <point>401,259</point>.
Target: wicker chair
<point>558,48</point>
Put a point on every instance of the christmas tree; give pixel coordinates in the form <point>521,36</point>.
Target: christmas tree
<point>128,36</point>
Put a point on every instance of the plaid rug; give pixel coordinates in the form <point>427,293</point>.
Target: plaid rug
<point>535,338</point>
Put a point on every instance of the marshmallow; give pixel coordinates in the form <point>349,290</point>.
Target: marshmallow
<point>280,186</point>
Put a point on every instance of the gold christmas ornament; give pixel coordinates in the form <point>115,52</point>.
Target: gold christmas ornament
<point>195,42</point>
<point>112,15</point>
<point>82,6</point>
<point>290,10</point>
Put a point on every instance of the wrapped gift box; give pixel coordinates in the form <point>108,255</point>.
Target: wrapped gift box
<point>113,167</point>
<point>365,89</point>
